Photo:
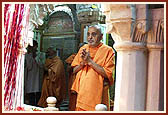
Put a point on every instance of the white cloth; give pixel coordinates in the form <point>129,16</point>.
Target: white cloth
<point>33,77</point>
<point>40,58</point>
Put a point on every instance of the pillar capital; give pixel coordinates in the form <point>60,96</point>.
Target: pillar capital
<point>127,22</point>
<point>130,46</point>
<point>156,34</point>
<point>155,46</point>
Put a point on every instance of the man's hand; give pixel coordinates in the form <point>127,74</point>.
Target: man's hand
<point>34,54</point>
<point>49,72</point>
<point>87,60</point>
<point>85,55</point>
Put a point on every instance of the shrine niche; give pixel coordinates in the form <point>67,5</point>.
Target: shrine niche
<point>59,22</point>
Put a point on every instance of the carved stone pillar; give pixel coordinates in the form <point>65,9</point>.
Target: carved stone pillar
<point>129,33</point>
<point>131,69</point>
<point>155,45</point>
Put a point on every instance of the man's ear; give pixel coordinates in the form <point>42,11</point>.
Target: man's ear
<point>101,37</point>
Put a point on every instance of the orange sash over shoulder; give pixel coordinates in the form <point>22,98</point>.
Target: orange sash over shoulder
<point>88,83</point>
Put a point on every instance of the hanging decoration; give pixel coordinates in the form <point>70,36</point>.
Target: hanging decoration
<point>16,21</point>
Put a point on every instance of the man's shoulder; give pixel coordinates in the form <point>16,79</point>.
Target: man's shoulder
<point>107,47</point>
<point>57,60</point>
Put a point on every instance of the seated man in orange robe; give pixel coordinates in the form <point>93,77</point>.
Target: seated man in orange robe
<point>92,64</point>
<point>54,83</point>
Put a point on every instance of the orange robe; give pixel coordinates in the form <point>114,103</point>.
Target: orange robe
<point>88,83</point>
<point>106,96</point>
<point>54,83</point>
<point>72,94</point>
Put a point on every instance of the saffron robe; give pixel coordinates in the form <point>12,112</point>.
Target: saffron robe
<point>88,83</point>
<point>54,83</point>
<point>72,94</point>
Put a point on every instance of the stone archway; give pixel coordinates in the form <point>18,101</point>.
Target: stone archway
<point>39,11</point>
<point>65,9</point>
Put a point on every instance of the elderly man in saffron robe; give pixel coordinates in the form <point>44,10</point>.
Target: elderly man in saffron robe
<point>54,83</point>
<point>93,64</point>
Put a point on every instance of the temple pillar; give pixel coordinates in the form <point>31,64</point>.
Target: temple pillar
<point>129,33</point>
<point>138,32</point>
<point>155,82</point>
<point>155,45</point>
<point>130,91</point>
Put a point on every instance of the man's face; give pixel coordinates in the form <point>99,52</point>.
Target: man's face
<point>35,48</point>
<point>93,36</point>
<point>50,52</point>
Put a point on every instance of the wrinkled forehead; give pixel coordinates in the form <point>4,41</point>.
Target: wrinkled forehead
<point>93,29</point>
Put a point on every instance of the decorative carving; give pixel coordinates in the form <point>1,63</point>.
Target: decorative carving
<point>89,13</point>
<point>59,22</point>
<point>65,9</point>
<point>160,32</point>
<point>88,16</point>
<point>156,35</point>
<point>39,11</point>
<point>121,30</point>
<point>119,21</point>
<point>139,34</point>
